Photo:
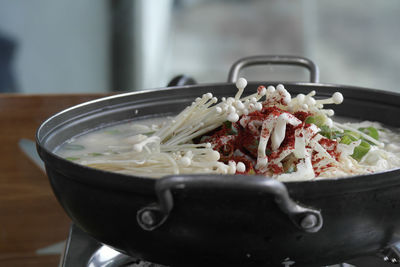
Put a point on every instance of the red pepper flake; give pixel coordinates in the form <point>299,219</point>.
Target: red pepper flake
<point>246,141</point>
<point>315,160</point>
<point>260,89</point>
<point>264,132</point>
<point>335,154</point>
<point>289,137</point>
<point>320,169</point>
<point>216,134</point>
<point>275,168</point>
<point>225,145</point>
<point>223,142</point>
<point>302,115</point>
<point>273,110</point>
<point>324,168</point>
<point>330,146</point>
<point>274,154</point>
<point>264,114</point>
<point>325,142</point>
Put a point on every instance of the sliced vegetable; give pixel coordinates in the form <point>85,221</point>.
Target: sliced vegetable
<point>310,119</point>
<point>349,136</point>
<point>251,172</point>
<point>318,120</point>
<point>371,131</point>
<point>330,133</point>
<point>361,150</point>
<point>346,140</point>
<point>353,135</point>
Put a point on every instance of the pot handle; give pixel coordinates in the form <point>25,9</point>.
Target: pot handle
<point>181,80</point>
<point>275,60</point>
<point>154,215</point>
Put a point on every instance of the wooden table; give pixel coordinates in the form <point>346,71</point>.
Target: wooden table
<point>30,216</point>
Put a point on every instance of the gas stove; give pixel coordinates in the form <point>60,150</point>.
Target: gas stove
<point>81,250</point>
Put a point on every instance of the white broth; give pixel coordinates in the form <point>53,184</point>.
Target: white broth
<point>268,133</point>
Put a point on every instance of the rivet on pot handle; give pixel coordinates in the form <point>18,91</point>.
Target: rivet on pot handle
<point>276,60</point>
<point>154,215</point>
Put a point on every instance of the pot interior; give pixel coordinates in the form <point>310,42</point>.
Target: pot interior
<point>359,103</point>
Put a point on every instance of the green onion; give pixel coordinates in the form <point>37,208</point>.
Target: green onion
<point>329,133</point>
<point>318,120</point>
<point>74,147</point>
<point>371,131</point>
<point>346,140</point>
<point>361,150</point>
<point>326,131</point>
<point>310,120</point>
<point>353,135</point>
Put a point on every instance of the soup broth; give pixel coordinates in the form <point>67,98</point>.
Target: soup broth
<point>280,137</point>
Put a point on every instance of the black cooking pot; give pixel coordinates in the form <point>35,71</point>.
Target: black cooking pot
<point>219,219</point>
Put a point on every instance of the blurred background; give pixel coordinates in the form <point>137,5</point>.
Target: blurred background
<point>60,46</point>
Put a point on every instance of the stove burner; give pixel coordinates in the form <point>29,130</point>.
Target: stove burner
<point>81,250</point>
<point>106,256</point>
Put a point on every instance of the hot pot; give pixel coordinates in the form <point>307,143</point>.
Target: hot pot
<point>226,220</point>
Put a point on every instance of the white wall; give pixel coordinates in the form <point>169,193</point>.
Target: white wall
<point>63,45</point>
